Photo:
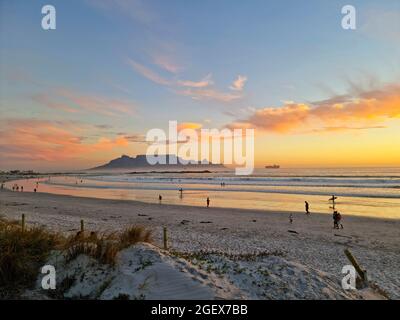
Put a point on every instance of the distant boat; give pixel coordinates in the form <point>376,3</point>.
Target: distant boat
<point>274,166</point>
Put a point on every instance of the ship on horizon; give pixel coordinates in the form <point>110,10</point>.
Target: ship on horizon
<point>274,166</point>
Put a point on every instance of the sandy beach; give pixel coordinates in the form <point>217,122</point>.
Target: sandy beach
<point>310,240</point>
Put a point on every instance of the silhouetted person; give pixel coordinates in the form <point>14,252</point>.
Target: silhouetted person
<point>22,188</point>
<point>159,198</point>
<point>335,220</point>
<point>307,207</point>
<point>339,219</point>
<point>291,218</point>
<point>208,202</point>
<point>333,201</point>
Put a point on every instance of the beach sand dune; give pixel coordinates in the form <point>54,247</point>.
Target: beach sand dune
<point>314,244</point>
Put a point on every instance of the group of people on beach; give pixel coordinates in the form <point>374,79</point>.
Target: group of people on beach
<point>16,187</point>
<point>181,195</point>
<point>337,217</point>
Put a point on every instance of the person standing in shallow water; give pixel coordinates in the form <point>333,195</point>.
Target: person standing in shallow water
<point>307,207</point>
<point>208,202</point>
<point>159,198</point>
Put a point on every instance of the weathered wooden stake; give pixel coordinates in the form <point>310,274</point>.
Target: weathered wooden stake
<point>23,222</point>
<point>361,272</point>
<point>165,238</point>
<point>82,227</point>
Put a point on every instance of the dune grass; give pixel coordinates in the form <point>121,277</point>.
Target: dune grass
<point>104,248</point>
<point>24,252</point>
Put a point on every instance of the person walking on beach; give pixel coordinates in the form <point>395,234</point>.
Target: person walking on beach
<point>339,219</point>
<point>208,202</point>
<point>22,188</point>
<point>307,207</point>
<point>159,198</point>
<point>336,219</point>
<point>291,218</point>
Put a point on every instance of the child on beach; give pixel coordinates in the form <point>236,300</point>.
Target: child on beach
<point>159,198</point>
<point>208,202</point>
<point>307,207</point>
<point>291,218</point>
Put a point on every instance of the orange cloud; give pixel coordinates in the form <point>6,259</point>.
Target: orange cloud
<point>189,125</point>
<point>343,112</point>
<point>52,141</point>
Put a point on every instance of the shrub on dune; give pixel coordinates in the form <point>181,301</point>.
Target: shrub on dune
<point>23,252</point>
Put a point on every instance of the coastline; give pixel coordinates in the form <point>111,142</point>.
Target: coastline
<point>316,244</point>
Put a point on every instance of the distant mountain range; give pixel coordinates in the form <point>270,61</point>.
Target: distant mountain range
<point>140,161</point>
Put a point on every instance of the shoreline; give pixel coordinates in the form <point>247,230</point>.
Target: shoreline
<point>226,198</point>
<point>373,241</point>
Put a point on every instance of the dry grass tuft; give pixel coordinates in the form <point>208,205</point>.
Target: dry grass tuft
<point>104,248</point>
<point>133,235</point>
<point>24,252</point>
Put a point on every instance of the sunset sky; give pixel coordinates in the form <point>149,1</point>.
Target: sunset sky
<point>316,94</point>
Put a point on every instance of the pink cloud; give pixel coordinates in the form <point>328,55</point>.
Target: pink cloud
<point>239,83</point>
<point>73,102</point>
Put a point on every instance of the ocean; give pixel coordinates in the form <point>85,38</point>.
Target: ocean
<point>373,192</point>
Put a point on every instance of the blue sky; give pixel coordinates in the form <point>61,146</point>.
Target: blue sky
<point>151,55</point>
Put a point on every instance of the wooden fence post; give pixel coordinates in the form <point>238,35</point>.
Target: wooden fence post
<point>165,236</point>
<point>23,222</point>
<point>361,272</point>
<point>82,227</point>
